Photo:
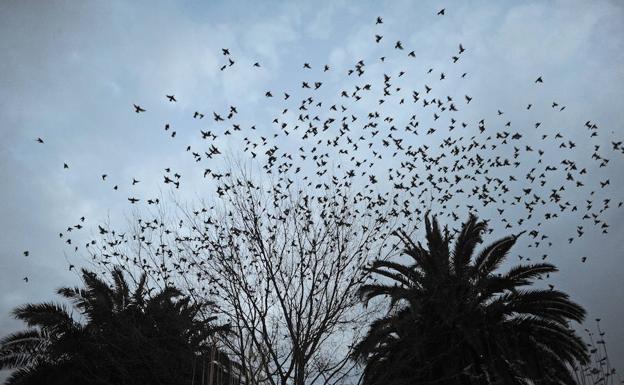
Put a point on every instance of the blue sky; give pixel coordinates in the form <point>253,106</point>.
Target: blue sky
<point>72,70</point>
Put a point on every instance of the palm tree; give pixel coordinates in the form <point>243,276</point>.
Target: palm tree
<point>124,337</point>
<point>453,320</point>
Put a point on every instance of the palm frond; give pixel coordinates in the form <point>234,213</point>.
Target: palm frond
<point>438,243</point>
<point>20,348</point>
<point>466,242</point>
<point>493,255</point>
<point>549,304</point>
<point>139,292</point>
<point>394,292</point>
<point>407,275</point>
<point>523,274</point>
<point>48,316</point>
<point>121,291</point>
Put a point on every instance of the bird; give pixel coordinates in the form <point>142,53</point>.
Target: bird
<point>65,166</point>
<point>379,20</point>
<point>133,200</point>
<point>25,279</point>
<point>26,253</point>
<point>539,80</point>
<point>441,12</point>
<point>138,109</point>
<point>171,98</point>
<point>39,140</point>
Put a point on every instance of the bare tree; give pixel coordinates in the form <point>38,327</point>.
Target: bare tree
<point>287,265</point>
<point>282,264</point>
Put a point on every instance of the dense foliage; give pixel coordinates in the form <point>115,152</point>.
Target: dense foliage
<point>454,320</point>
<point>122,336</point>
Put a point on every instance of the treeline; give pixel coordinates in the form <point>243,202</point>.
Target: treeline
<point>450,317</point>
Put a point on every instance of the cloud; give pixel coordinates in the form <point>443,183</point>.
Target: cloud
<point>71,72</point>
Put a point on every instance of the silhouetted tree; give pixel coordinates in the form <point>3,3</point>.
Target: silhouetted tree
<point>453,320</point>
<point>282,264</point>
<point>122,336</point>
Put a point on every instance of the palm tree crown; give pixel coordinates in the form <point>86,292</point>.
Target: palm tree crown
<point>124,336</point>
<point>453,320</point>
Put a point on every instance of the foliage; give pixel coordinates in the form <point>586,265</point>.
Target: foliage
<point>124,337</point>
<point>454,320</point>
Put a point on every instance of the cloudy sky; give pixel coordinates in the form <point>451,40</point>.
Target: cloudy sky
<point>70,72</point>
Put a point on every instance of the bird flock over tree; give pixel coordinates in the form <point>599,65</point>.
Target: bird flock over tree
<point>392,140</point>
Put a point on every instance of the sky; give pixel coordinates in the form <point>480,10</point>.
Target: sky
<point>71,71</point>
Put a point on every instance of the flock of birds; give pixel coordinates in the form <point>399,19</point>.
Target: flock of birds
<point>421,157</point>
<point>391,149</point>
